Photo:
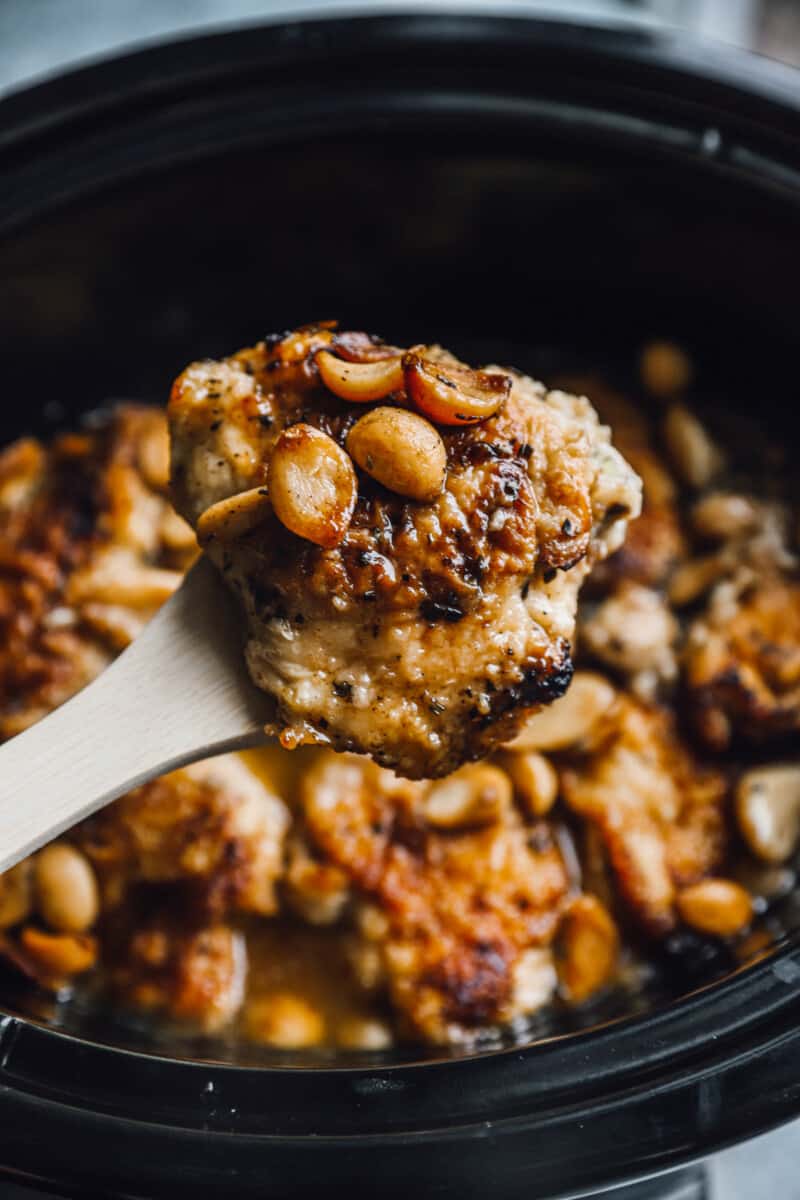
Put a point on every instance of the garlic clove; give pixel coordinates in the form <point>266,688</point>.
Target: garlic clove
<point>360,382</point>
<point>453,395</point>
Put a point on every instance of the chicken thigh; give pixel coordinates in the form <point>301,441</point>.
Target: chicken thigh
<point>407,536</point>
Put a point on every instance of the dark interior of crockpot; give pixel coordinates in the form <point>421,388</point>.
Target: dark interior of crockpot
<point>550,254</point>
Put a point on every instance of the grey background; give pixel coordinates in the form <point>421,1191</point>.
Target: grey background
<point>39,37</point>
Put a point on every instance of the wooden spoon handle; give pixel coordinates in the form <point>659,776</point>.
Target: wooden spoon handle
<point>179,693</point>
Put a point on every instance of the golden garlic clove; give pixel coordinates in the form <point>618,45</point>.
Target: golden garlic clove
<point>534,779</point>
<point>234,516</point>
<point>66,888</point>
<point>401,450</point>
<point>694,454</point>
<point>285,1020</point>
<point>475,795</point>
<point>589,943</point>
<point>453,395</point>
<point>665,369</point>
<point>768,810</point>
<point>719,907</point>
<point>360,382</point>
<point>312,485</point>
<point>570,720</point>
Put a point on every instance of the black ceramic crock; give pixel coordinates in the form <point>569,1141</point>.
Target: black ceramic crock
<point>516,186</point>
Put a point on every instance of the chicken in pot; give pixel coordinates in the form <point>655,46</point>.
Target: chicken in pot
<point>316,899</point>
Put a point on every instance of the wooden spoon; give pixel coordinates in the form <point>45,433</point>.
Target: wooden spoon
<point>179,693</point>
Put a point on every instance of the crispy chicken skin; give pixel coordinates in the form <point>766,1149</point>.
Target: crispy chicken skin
<point>426,633</point>
<point>659,814</point>
<point>450,917</point>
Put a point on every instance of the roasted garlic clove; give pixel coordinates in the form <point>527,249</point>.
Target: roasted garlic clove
<point>534,779</point>
<point>363,1033</point>
<point>66,888</point>
<point>401,450</point>
<point>477,794</point>
<point>153,455</point>
<point>571,719</point>
<point>718,907</point>
<point>285,1020</point>
<point>589,943</point>
<point>233,517</point>
<point>665,369</point>
<point>768,810</point>
<point>360,382</point>
<point>694,454</point>
<point>453,395</point>
<point>312,485</point>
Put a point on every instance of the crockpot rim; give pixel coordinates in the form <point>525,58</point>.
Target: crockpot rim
<point>769,82</point>
<point>30,108</point>
<point>757,98</point>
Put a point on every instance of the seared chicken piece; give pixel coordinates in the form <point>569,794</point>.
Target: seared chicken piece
<point>739,538</point>
<point>459,900</point>
<point>174,860</point>
<point>634,632</point>
<point>414,610</point>
<point>212,827</point>
<point>660,816</point>
<point>89,548</point>
<point>742,662</point>
<point>193,974</point>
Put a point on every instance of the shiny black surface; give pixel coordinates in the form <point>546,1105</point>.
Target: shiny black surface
<point>508,184</point>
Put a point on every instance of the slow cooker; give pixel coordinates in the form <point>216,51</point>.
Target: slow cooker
<point>524,187</point>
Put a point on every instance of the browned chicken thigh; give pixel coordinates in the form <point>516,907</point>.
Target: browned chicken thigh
<point>408,536</point>
<point>458,899</point>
